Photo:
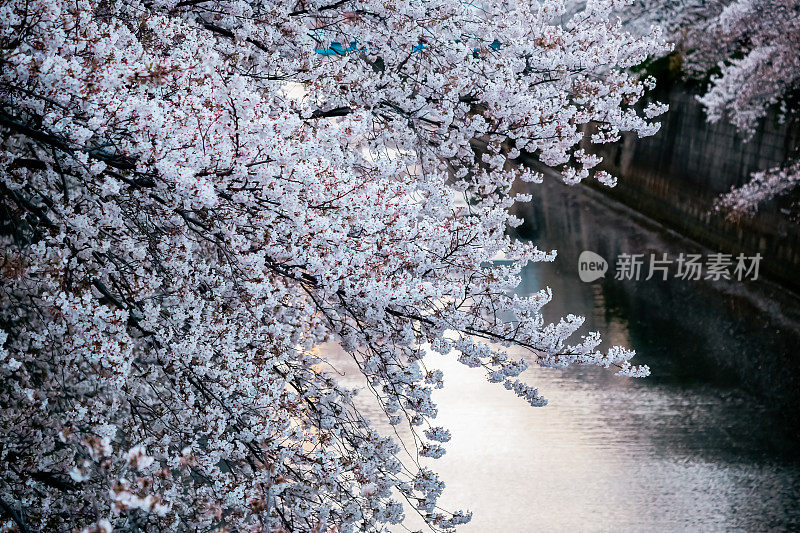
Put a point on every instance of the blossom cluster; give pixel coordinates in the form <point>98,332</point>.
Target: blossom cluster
<point>754,44</point>
<point>764,186</point>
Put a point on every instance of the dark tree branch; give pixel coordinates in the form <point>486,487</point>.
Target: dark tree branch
<point>16,517</point>
<point>335,112</point>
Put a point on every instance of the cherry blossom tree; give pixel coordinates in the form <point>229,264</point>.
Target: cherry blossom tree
<point>198,194</point>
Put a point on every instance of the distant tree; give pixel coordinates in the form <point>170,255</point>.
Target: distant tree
<point>755,44</point>
<point>676,18</point>
<point>196,195</point>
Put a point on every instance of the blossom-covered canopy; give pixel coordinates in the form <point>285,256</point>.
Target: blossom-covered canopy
<point>194,200</point>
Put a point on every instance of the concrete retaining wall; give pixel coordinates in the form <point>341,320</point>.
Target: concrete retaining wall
<point>675,176</point>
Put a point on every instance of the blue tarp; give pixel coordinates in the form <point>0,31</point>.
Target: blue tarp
<point>336,49</point>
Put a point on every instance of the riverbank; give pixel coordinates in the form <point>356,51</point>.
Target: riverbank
<point>741,334</point>
<point>675,176</point>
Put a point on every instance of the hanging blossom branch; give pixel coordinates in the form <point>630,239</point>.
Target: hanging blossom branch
<point>764,186</point>
<point>197,195</point>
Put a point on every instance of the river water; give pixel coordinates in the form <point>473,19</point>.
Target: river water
<point>707,443</point>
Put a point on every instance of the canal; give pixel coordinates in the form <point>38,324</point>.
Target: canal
<point>707,443</point>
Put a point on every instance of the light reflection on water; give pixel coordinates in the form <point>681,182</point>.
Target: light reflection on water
<point>684,450</point>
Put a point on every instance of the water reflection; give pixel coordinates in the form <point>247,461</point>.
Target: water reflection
<point>689,449</point>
